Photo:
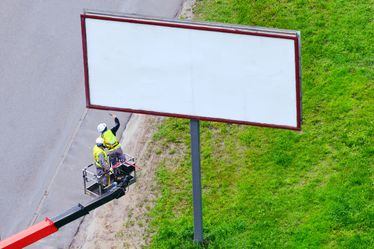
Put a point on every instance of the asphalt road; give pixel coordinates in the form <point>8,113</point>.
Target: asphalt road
<point>46,130</point>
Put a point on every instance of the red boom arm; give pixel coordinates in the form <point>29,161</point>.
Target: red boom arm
<point>30,235</point>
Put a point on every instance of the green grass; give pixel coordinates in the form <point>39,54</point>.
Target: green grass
<point>271,188</point>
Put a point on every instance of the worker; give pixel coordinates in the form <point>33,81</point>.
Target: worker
<point>110,140</point>
<point>102,162</point>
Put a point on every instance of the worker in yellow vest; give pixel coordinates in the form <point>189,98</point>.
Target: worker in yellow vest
<point>110,140</point>
<point>102,162</point>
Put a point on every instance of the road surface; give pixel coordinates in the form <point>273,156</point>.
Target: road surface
<point>46,130</point>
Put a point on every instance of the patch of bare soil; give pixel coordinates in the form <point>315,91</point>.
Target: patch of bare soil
<point>186,12</point>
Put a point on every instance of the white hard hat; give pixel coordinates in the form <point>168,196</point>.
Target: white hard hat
<point>99,141</point>
<point>101,127</point>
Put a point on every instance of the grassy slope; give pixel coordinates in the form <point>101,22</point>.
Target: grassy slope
<point>268,188</point>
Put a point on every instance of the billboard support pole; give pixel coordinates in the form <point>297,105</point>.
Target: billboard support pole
<point>196,180</point>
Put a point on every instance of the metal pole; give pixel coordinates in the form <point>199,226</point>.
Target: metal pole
<point>196,180</point>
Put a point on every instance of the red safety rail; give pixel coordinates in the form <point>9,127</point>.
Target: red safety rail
<point>30,235</point>
<point>127,162</point>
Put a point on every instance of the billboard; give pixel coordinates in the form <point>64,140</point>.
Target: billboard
<point>196,70</point>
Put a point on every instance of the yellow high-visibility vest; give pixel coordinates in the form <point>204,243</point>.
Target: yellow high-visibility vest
<point>96,153</point>
<point>110,140</point>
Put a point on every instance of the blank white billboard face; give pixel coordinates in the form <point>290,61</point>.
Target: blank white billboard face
<point>192,70</point>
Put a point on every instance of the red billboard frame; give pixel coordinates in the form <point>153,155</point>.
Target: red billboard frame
<point>281,34</point>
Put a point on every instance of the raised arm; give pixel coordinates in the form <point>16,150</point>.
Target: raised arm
<point>116,126</point>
